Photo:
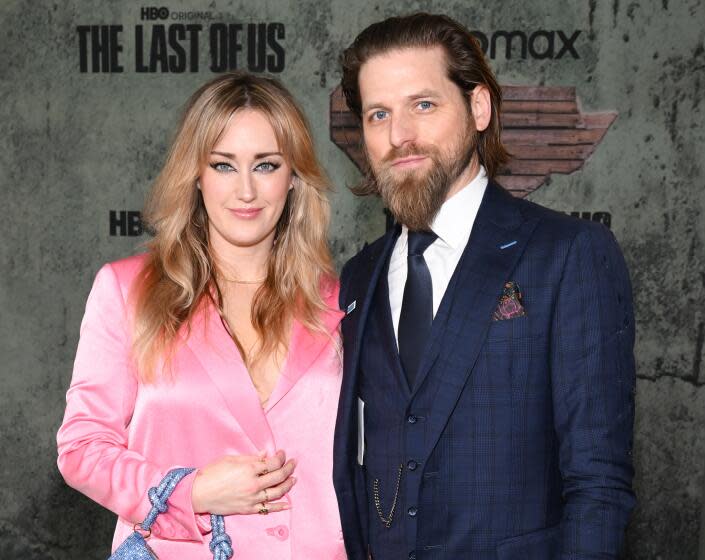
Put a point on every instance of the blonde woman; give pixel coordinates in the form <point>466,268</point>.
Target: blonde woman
<point>218,348</point>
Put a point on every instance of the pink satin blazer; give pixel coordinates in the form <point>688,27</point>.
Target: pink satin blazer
<point>119,437</point>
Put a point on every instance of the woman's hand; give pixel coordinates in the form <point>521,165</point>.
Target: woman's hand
<point>241,483</point>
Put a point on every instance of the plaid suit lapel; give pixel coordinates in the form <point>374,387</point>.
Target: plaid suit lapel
<point>462,321</point>
<point>359,291</point>
<point>359,295</point>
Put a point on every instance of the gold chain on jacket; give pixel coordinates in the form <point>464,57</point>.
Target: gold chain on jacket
<point>386,520</point>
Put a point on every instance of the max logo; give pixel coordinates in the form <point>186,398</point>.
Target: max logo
<point>542,127</point>
<point>541,44</point>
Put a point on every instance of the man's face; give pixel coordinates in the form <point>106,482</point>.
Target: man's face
<point>418,131</point>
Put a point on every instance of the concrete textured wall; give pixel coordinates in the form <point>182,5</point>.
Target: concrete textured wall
<point>77,145</point>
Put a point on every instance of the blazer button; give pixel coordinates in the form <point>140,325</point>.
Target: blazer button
<point>412,511</point>
<point>411,419</point>
<point>281,532</point>
<point>411,465</point>
<point>412,555</point>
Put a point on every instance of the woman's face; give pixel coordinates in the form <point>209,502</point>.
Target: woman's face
<point>245,183</point>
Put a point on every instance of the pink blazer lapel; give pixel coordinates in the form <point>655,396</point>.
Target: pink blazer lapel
<point>213,348</point>
<point>304,349</point>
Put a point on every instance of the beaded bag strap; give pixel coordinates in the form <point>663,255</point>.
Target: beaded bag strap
<point>220,545</point>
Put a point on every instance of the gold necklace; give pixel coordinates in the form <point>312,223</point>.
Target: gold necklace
<point>234,281</point>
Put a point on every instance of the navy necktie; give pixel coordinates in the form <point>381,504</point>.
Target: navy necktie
<point>416,306</point>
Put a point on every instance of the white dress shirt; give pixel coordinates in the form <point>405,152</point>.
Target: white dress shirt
<point>452,225</point>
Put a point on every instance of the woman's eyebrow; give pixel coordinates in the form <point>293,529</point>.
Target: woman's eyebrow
<point>257,156</point>
<point>268,154</point>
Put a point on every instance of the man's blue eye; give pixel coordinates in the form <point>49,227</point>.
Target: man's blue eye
<point>379,115</point>
<point>425,105</point>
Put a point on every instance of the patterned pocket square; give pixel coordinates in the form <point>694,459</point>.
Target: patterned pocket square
<point>510,306</point>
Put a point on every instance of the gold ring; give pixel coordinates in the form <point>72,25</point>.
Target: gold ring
<point>263,510</point>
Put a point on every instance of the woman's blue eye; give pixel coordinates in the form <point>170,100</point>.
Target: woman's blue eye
<point>222,167</point>
<point>267,166</point>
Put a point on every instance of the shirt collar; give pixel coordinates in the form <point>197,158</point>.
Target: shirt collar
<point>455,219</point>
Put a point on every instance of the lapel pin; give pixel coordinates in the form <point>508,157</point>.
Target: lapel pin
<point>351,308</point>
<point>507,245</point>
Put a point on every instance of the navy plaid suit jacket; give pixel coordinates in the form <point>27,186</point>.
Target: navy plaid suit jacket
<point>524,430</point>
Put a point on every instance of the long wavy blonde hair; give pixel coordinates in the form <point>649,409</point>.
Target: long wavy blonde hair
<point>180,271</point>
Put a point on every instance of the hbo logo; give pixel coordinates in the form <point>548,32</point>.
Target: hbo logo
<point>154,13</point>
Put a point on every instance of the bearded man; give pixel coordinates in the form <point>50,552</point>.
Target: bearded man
<point>488,393</point>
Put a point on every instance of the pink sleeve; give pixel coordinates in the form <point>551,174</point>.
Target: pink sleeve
<point>92,441</point>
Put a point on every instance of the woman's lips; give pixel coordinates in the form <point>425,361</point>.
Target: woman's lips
<point>246,213</point>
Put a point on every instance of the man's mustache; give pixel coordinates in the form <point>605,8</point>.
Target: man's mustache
<point>406,151</point>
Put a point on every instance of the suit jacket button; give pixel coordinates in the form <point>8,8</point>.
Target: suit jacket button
<point>411,419</point>
<point>412,555</point>
<point>412,511</point>
<point>411,465</point>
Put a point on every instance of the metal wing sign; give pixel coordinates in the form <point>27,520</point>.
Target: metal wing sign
<point>542,128</point>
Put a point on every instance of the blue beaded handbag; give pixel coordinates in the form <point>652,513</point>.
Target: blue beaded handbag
<point>135,546</point>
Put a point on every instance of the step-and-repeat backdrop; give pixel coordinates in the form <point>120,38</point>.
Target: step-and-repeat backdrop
<point>604,114</point>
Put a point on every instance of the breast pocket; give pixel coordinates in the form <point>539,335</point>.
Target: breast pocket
<point>514,354</point>
<point>508,329</point>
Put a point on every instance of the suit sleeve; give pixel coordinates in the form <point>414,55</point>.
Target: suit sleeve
<point>94,457</point>
<point>593,381</point>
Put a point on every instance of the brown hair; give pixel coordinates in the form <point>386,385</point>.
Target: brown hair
<point>181,271</point>
<point>467,67</point>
